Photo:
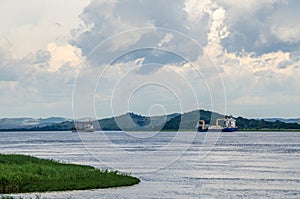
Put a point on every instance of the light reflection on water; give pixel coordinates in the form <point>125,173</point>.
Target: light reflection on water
<point>240,164</point>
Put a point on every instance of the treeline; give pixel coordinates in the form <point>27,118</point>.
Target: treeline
<point>174,122</point>
<point>252,124</point>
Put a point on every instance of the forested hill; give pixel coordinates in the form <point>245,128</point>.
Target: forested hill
<point>187,121</point>
<point>172,122</point>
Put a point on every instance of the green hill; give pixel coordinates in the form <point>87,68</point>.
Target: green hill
<point>172,122</point>
<point>187,121</point>
<point>252,124</point>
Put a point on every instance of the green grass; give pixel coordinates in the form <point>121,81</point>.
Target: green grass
<point>20,174</point>
<point>11,197</point>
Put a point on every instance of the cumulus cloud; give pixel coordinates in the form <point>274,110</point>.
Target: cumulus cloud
<point>5,48</point>
<point>261,27</point>
<point>234,41</point>
<point>108,18</point>
<point>63,55</point>
<point>247,51</point>
<point>165,40</point>
<point>284,23</point>
<point>30,87</point>
<point>31,25</point>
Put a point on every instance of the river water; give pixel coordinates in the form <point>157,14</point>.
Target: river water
<point>174,164</point>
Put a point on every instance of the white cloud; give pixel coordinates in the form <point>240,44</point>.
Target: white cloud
<point>63,55</point>
<point>31,25</point>
<point>27,88</point>
<point>253,46</point>
<point>286,32</point>
<point>284,23</point>
<point>218,31</point>
<point>130,15</point>
<point>256,26</point>
<point>254,81</point>
<point>8,85</point>
<point>165,40</point>
<point>5,54</point>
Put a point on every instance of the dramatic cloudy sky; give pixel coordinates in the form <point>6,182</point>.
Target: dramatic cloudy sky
<point>107,57</point>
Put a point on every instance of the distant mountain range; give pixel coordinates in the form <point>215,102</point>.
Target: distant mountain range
<point>27,123</point>
<point>292,120</point>
<point>135,122</point>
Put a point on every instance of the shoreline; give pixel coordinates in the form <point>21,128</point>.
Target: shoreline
<point>181,130</point>
<point>27,174</point>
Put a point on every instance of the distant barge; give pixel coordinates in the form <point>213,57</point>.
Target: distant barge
<point>83,127</point>
<point>229,125</point>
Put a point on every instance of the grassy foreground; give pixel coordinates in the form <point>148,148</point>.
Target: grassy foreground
<point>20,174</point>
<point>11,197</point>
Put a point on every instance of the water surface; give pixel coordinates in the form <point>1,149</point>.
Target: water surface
<point>174,164</point>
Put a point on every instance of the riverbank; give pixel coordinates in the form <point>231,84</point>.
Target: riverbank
<point>22,174</point>
<point>269,130</point>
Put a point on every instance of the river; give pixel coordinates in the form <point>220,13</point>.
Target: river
<point>174,164</point>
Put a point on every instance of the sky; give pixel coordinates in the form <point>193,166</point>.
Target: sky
<point>81,58</point>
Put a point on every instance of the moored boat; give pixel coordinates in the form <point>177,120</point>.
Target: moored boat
<point>83,127</point>
<point>228,125</point>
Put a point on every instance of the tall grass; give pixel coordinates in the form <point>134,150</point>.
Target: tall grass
<point>20,173</point>
<point>11,197</point>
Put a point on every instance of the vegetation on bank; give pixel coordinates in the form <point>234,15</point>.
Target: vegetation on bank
<point>253,124</point>
<point>20,174</point>
<point>269,130</point>
<point>11,197</point>
<point>186,121</point>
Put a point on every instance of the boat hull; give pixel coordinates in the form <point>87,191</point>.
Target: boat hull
<point>83,130</point>
<point>201,130</point>
<point>227,129</point>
